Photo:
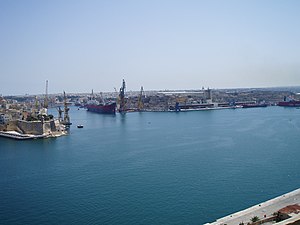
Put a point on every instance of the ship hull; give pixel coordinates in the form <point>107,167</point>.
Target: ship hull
<point>102,109</point>
<point>289,104</point>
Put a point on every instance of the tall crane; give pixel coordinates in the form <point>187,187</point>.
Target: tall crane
<point>66,120</point>
<point>122,98</point>
<point>36,109</point>
<point>117,98</point>
<point>140,99</point>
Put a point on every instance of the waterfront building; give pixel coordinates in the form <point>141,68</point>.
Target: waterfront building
<point>27,119</point>
<point>5,118</point>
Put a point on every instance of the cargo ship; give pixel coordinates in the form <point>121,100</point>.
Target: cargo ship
<point>103,108</point>
<point>289,102</point>
<point>99,105</point>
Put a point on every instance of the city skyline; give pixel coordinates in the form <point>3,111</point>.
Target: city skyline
<point>83,45</point>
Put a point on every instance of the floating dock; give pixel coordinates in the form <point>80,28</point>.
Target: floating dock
<point>267,212</point>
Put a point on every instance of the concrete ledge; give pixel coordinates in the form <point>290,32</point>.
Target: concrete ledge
<point>261,210</point>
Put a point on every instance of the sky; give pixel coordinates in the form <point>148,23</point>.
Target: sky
<point>80,45</point>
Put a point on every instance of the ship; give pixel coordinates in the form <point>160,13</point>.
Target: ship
<point>289,102</point>
<point>107,108</point>
<point>99,105</point>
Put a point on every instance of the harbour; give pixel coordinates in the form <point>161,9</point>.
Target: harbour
<point>151,168</point>
<point>150,112</point>
<point>29,118</point>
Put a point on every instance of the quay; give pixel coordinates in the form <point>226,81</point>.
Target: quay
<point>285,209</point>
<point>19,136</point>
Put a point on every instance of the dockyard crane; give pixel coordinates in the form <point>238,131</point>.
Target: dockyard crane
<point>140,99</point>
<point>66,120</point>
<point>122,98</point>
<point>117,98</point>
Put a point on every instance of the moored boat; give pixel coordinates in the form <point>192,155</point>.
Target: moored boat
<point>107,108</point>
<point>99,105</point>
<point>254,105</point>
<point>289,102</point>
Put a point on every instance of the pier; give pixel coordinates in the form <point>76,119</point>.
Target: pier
<point>267,212</point>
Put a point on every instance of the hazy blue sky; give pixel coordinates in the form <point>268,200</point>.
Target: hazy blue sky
<point>160,44</point>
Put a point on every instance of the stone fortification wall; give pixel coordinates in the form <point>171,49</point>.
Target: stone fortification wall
<point>12,126</point>
<point>36,127</point>
<point>2,127</point>
<point>53,126</point>
<point>49,126</point>
<point>32,127</point>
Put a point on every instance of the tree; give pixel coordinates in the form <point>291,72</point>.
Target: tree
<point>254,219</point>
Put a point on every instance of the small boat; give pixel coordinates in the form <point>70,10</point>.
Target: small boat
<point>254,105</point>
<point>80,126</point>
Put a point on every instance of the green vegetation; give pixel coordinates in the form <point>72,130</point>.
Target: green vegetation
<point>39,118</point>
<point>254,219</point>
<point>31,118</point>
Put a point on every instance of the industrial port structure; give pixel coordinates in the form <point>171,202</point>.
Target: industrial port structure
<point>31,120</point>
<point>27,115</point>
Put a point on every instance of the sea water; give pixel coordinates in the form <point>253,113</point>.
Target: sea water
<point>151,168</point>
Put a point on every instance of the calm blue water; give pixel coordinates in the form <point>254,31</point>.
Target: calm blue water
<point>151,168</point>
